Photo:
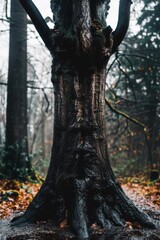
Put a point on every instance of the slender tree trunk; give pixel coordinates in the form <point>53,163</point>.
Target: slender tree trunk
<point>152,119</point>
<point>43,137</point>
<point>80,185</point>
<point>16,161</point>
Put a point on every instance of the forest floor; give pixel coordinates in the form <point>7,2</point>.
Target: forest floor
<point>15,197</point>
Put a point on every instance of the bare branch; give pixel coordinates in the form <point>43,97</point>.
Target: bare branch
<point>39,88</point>
<point>5,20</point>
<point>32,87</point>
<point>39,22</point>
<point>140,56</point>
<point>125,115</point>
<point>123,23</point>
<point>4,84</point>
<point>46,98</point>
<point>128,78</point>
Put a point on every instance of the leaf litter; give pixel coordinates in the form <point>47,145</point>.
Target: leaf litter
<point>15,197</point>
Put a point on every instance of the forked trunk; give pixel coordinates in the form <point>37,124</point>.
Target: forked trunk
<point>80,185</point>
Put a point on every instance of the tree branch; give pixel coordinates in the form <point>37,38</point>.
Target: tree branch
<point>140,56</point>
<point>145,129</point>
<point>5,20</point>
<point>39,22</point>
<point>4,84</point>
<point>125,115</point>
<point>46,98</point>
<point>123,23</point>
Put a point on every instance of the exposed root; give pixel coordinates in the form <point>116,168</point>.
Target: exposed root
<point>43,207</point>
<point>77,212</point>
<point>86,203</point>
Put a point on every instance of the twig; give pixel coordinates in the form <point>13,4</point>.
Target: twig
<point>48,103</point>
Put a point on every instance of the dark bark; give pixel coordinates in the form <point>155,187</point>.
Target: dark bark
<point>151,120</point>
<point>16,161</point>
<point>80,184</point>
<point>123,23</point>
<point>39,22</point>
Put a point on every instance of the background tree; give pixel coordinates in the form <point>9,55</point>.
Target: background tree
<point>81,44</point>
<point>2,108</point>
<point>16,162</point>
<point>39,91</point>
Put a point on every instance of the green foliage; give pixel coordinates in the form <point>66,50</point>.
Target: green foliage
<point>40,164</point>
<point>21,168</point>
<point>36,173</point>
<point>2,154</point>
<point>125,167</point>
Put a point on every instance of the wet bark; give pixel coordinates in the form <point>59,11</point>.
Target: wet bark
<point>80,185</point>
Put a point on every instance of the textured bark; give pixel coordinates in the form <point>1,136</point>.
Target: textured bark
<point>16,161</point>
<point>80,185</point>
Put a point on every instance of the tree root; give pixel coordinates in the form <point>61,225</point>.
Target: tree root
<point>85,203</point>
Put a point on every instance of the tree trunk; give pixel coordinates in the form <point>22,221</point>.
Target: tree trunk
<point>16,161</point>
<point>152,100</point>
<point>80,185</point>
